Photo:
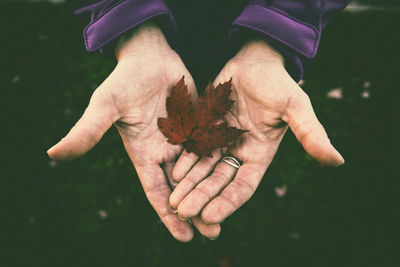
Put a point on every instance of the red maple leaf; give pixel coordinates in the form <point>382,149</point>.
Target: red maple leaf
<point>197,128</point>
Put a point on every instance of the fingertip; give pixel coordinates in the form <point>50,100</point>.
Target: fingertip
<point>339,159</point>
<point>180,192</point>
<point>180,230</point>
<point>184,236</point>
<point>319,147</point>
<point>209,216</point>
<point>184,213</point>
<point>213,238</point>
<point>176,198</point>
<point>212,232</point>
<point>62,151</point>
<point>177,174</point>
<point>329,157</point>
<point>173,204</point>
<point>334,158</point>
<point>186,240</point>
<point>183,165</point>
<point>50,152</point>
<point>217,229</point>
<point>55,154</point>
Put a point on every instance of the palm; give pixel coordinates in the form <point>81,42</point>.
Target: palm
<point>142,102</point>
<point>256,110</point>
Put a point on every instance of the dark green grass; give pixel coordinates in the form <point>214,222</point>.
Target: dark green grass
<point>329,217</point>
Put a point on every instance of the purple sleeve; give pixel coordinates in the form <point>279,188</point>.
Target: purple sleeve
<point>292,27</point>
<point>111,18</point>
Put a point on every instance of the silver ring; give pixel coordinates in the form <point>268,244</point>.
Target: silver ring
<point>234,162</point>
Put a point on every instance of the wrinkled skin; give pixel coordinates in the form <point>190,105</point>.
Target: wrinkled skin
<point>267,101</point>
<point>133,98</point>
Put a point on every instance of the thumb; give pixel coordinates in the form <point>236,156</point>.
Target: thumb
<point>309,132</point>
<point>98,117</point>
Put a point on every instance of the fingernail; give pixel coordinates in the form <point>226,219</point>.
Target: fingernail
<point>172,209</point>
<point>341,160</point>
<point>49,151</point>
<point>182,219</point>
<point>173,183</point>
<point>213,238</point>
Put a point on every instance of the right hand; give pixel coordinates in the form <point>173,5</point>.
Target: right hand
<point>132,98</point>
<point>267,102</point>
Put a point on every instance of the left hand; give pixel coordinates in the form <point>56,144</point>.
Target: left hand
<point>267,100</point>
<point>132,98</point>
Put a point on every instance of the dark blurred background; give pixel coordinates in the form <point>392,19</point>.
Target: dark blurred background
<point>92,211</point>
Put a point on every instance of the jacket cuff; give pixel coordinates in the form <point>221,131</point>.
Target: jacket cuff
<point>296,40</point>
<point>123,16</point>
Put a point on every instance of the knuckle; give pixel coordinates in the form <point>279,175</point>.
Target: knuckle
<point>189,181</point>
<point>240,193</point>
<point>245,187</point>
<point>207,161</point>
<point>221,175</point>
<point>201,190</point>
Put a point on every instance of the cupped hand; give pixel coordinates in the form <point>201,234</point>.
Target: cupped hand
<point>132,98</point>
<point>267,100</point>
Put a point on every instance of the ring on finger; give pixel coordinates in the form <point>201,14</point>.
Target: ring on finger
<point>233,161</point>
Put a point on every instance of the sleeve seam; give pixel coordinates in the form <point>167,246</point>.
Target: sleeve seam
<point>313,28</point>
<point>121,31</point>
<point>320,12</point>
<point>290,17</point>
<point>97,19</point>
<point>277,38</point>
<point>106,11</point>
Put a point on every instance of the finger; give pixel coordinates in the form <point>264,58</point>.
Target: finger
<point>157,191</point>
<point>200,170</point>
<point>95,121</point>
<point>183,165</point>
<point>194,202</point>
<point>211,231</point>
<point>309,132</point>
<point>168,167</point>
<point>234,195</point>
